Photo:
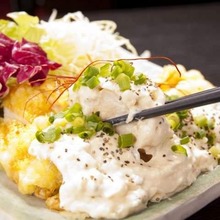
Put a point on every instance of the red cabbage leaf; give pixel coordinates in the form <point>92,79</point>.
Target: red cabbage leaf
<point>25,61</point>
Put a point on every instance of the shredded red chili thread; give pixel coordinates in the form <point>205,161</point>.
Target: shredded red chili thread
<point>157,57</point>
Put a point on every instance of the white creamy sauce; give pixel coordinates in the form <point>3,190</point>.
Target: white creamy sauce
<point>108,182</point>
<point>111,102</point>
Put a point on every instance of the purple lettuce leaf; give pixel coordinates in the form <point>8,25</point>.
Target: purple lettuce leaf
<point>6,45</point>
<point>26,61</point>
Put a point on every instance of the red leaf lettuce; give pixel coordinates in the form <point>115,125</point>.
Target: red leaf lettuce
<point>25,61</point>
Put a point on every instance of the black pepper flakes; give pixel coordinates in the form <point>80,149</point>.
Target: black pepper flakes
<point>110,178</point>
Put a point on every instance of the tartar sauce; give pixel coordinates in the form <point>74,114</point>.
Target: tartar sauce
<point>106,181</point>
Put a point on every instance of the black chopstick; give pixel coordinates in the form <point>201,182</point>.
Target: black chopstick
<point>195,94</point>
<point>191,101</point>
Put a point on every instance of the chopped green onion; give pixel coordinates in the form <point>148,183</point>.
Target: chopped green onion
<point>126,140</point>
<point>68,130</point>
<point>200,134</point>
<point>179,149</point>
<point>211,123</point>
<point>76,108</point>
<point>78,122</point>
<point>77,130</point>
<point>49,136</point>
<point>123,81</point>
<point>91,71</point>
<point>184,140</point>
<point>77,85</point>
<point>140,79</point>
<point>183,114</point>
<point>201,121</point>
<point>86,134</point>
<point>69,117</point>
<point>174,121</point>
<point>172,97</point>
<point>119,69</point>
<point>215,152</point>
<point>69,114</point>
<point>105,70</point>
<point>108,128</point>
<point>184,134</point>
<point>125,66</point>
<point>73,112</point>
<point>52,118</point>
<point>211,138</point>
<point>116,71</point>
<point>92,82</point>
<point>93,117</point>
<point>92,124</point>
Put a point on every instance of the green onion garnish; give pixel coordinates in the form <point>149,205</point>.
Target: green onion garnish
<point>200,134</point>
<point>185,140</point>
<point>183,114</point>
<point>116,70</point>
<point>173,120</point>
<point>108,128</point>
<point>179,149</point>
<point>201,121</point>
<point>52,118</point>
<point>123,81</point>
<point>140,79</point>
<point>215,152</point>
<point>86,134</point>
<point>105,70</point>
<point>211,138</point>
<point>211,123</point>
<point>92,82</point>
<point>78,122</point>
<point>126,140</point>
<point>126,67</point>
<point>49,136</point>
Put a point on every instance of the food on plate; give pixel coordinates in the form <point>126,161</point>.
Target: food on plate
<point>54,140</point>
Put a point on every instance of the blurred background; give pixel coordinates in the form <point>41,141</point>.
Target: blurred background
<point>44,7</point>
